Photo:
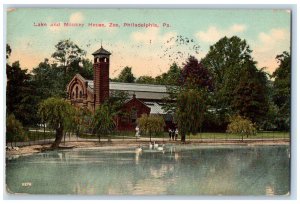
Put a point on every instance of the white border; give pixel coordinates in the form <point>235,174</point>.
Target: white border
<point>160,4</point>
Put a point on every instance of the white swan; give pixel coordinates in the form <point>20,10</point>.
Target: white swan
<point>139,149</point>
<point>155,145</point>
<point>161,148</point>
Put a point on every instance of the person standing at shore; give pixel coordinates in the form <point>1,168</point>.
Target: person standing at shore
<point>137,129</point>
<point>176,134</point>
<point>170,133</point>
<point>173,134</point>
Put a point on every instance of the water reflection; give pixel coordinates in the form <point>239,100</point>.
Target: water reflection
<point>181,170</point>
<point>137,156</point>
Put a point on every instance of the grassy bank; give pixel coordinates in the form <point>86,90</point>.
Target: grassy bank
<point>207,135</point>
<point>36,135</point>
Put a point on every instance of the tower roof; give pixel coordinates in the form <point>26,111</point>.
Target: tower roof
<point>101,51</point>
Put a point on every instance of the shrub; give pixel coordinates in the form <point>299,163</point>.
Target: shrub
<point>14,130</point>
<point>242,126</point>
<point>151,124</point>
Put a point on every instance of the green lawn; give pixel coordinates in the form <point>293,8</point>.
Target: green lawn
<point>207,135</point>
<point>260,135</point>
<point>33,135</point>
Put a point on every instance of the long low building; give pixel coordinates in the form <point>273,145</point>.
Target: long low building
<point>143,98</point>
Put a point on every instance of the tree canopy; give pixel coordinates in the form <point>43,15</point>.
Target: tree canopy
<point>151,124</point>
<point>145,80</point>
<point>241,126</point>
<point>171,77</point>
<point>195,74</point>
<point>57,113</point>
<point>282,89</point>
<point>103,121</point>
<point>67,53</point>
<point>126,76</point>
<point>189,112</point>
<point>14,129</point>
<point>21,98</point>
<point>240,87</point>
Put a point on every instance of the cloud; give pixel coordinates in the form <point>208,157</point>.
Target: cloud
<point>272,39</point>
<point>76,17</point>
<point>268,45</point>
<point>213,33</point>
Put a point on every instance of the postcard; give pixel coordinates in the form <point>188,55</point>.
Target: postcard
<point>172,102</point>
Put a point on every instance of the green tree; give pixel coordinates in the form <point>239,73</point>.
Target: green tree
<point>171,77</point>
<point>117,99</point>
<point>103,121</point>
<point>282,89</point>
<point>227,56</point>
<point>193,75</point>
<point>20,94</point>
<point>189,113</point>
<point>87,70</point>
<point>145,80</point>
<point>67,53</point>
<point>272,121</point>
<point>14,130</point>
<point>242,126</point>
<point>48,80</point>
<point>80,121</point>
<point>151,124</point>
<point>126,75</point>
<point>250,97</point>
<point>57,113</point>
<point>229,59</point>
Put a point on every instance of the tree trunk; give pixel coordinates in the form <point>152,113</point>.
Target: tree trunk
<point>44,132</point>
<point>65,138</point>
<point>58,137</point>
<point>183,137</point>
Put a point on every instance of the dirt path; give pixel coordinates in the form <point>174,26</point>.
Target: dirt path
<point>119,143</point>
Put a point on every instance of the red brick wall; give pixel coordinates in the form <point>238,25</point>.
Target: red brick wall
<point>101,82</point>
<point>124,122</point>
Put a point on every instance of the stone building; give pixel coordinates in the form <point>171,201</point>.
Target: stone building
<point>144,98</point>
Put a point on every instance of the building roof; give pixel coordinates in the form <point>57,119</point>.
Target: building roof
<point>142,91</point>
<point>137,87</point>
<point>156,108</point>
<point>101,51</point>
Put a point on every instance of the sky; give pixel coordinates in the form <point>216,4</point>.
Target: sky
<point>151,50</point>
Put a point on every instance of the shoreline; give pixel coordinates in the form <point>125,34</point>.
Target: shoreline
<point>77,145</point>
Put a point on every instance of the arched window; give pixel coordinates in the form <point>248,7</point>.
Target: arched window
<point>76,91</point>
<point>133,115</point>
<point>80,94</point>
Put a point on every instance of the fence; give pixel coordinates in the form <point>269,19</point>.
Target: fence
<point>40,137</point>
<point>34,137</point>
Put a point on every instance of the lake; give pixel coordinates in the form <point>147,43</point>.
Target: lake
<point>178,170</point>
